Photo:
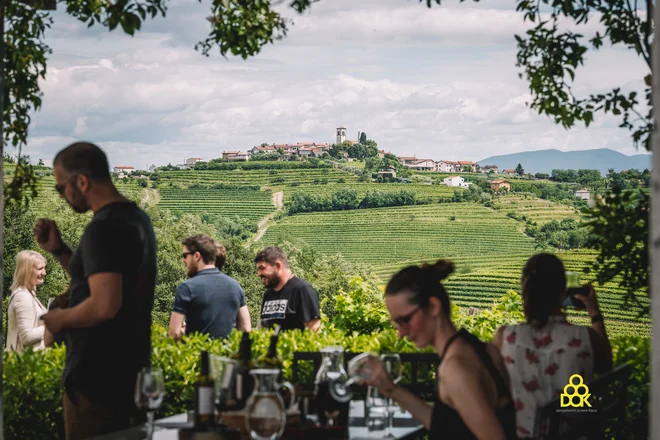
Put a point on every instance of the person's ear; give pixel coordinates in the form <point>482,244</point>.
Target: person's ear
<point>83,183</point>
<point>435,307</point>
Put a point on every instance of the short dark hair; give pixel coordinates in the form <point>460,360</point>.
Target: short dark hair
<point>84,158</point>
<point>423,282</point>
<point>271,255</point>
<point>543,281</point>
<point>220,256</point>
<point>203,244</point>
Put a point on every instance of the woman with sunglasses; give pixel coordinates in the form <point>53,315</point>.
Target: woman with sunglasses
<point>474,399</point>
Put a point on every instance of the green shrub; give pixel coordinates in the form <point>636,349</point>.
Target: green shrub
<point>33,394</point>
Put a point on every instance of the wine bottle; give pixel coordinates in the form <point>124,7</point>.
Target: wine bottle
<point>204,395</point>
<point>271,359</point>
<point>244,382</point>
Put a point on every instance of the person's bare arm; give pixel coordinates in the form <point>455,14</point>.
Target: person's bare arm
<point>461,383</point>
<point>176,326</point>
<point>243,322</point>
<point>380,379</point>
<point>498,336</point>
<point>104,302</point>
<point>314,325</point>
<point>600,342</point>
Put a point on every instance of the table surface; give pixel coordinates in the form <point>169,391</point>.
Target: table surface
<point>168,428</point>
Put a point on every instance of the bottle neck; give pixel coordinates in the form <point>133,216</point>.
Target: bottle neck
<point>205,364</point>
<point>272,349</point>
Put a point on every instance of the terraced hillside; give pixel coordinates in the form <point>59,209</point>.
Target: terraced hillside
<point>424,192</point>
<point>388,235</point>
<point>270,178</point>
<point>534,209</point>
<point>252,204</point>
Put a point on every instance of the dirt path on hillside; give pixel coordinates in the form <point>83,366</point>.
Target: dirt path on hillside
<point>151,196</point>
<point>262,226</point>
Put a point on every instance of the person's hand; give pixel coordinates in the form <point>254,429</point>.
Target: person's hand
<point>48,235</point>
<point>590,302</point>
<point>60,300</point>
<point>378,377</point>
<point>54,320</point>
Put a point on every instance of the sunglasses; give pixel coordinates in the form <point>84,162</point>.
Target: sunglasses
<point>185,254</point>
<point>405,319</point>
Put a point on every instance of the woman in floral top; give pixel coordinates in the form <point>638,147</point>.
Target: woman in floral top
<point>544,352</point>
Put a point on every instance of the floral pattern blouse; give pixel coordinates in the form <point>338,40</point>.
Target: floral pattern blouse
<point>540,363</point>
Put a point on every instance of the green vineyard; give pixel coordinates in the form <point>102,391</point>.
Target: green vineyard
<point>534,209</point>
<point>387,235</point>
<point>425,193</point>
<point>247,203</point>
<point>269,178</point>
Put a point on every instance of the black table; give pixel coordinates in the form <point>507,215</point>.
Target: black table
<point>405,427</point>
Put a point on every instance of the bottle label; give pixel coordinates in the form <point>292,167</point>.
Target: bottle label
<point>239,386</point>
<point>205,403</point>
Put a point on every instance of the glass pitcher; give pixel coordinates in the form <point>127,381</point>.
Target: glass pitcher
<point>265,412</point>
<point>331,412</point>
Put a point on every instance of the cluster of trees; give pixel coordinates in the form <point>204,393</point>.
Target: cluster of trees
<point>589,178</point>
<point>347,199</point>
<point>364,149</point>
<point>567,234</point>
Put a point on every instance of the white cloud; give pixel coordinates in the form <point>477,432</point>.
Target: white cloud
<point>440,83</point>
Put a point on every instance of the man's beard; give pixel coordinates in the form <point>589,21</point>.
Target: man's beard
<point>192,271</point>
<point>272,281</point>
<point>78,202</point>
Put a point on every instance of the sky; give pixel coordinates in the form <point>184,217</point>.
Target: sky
<point>436,83</point>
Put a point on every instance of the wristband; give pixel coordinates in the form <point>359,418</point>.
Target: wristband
<point>597,318</point>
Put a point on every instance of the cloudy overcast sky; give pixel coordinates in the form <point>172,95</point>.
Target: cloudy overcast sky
<point>438,83</point>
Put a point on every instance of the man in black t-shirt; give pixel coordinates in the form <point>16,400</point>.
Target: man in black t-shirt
<point>290,302</point>
<point>106,319</point>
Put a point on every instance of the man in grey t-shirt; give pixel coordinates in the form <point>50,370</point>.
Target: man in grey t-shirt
<point>209,301</point>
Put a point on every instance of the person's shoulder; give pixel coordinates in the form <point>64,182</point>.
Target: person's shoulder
<point>21,293</point>
<point>231,281</point>
<point>300,283</point>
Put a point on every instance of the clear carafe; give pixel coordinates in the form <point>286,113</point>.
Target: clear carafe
<point>331,411</point>
<point>265,412</point>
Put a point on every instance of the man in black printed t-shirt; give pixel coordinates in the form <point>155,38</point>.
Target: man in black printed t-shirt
<point>290,302</point>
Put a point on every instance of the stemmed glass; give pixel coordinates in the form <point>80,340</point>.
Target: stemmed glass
<point>392,364</point>
<point>340,389</point>
<point>149,393</point>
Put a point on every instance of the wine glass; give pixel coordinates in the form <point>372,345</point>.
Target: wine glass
<point>340,389</point>
<point>392,364</point>
<point>149,393</point>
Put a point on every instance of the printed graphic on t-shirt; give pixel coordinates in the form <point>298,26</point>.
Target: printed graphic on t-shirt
<point>274,309</point>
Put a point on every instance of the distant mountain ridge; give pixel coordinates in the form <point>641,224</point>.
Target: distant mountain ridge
<point>544,161</point>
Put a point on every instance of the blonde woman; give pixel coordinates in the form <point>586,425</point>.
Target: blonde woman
<point>24,329</point>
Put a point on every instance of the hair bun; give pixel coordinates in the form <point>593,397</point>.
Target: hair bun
<point>442,268</point>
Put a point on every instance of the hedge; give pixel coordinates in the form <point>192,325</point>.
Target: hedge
<point>33,395</point>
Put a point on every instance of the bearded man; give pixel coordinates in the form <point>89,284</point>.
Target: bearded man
<point>290,302</point>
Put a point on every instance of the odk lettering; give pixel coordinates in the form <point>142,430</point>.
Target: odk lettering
<point>576,393</point>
